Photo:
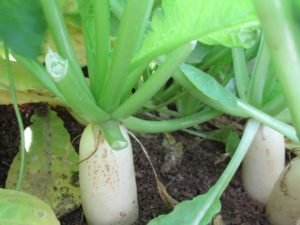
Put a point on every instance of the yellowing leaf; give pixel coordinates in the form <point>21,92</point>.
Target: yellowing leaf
<point>51,170</point>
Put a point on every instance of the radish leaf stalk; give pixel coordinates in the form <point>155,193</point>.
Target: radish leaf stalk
<point>12,92</point>
<point>201,209</point>
<point>136,12</point>
<point>282,37</point>
<point>154,83</point>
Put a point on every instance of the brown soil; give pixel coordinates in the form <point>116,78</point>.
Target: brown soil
<point>196,173</point>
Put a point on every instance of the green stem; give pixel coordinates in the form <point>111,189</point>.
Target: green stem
<point>87,23</point>
<point>72,83</point>
<point>174,98</point>
<point>154,83</point>
<point>132,28</point>
<point>131,81</point>
<point>62,38</point>
<point>241,108</point>
<point>170,92</point>
<point>39,72</point>
<point>144,126</point>
<point>270,121</point>
<point>55,21</point>
<point>12,91</point>
<point>165,111</point>
<point>83,105</point>
<point>116,8</point>
<point>218,189</point>
<point>113,135</point>
<point>214,57</point>
<point>241,151</point>
<point>188,104</point>
<point>279,22</point>
<point>152,107</point>
<point>102,30</point>
<point>259,75</point>
<point>184,82</point>
<point>274,106</point>
<point>241,72</point>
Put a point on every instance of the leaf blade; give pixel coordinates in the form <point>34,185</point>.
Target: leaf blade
<point>187,212</point>
<point>227,22</point>
<point>22,26</point>
<point>208,86</point>
<point>51,165</point>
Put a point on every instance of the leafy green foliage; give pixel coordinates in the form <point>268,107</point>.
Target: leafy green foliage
<point>208,86</point>
<point>272,87</point>
<point>188,104</point>
<point>21,208</point>
<point>228,135</point>
<point>22,26</point>
<point>227,22</point>
<point>51,171</point>
<point>190,212</point>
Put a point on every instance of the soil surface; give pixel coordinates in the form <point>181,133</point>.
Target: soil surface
<point>192,175</point>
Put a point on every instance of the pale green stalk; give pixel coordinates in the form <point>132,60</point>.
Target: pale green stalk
<point>281,28</point>
<point>220,186</point>
<point>259,75</point>
<point>241,72</point>
<point>102,48</point>
<point>132,28</point>
<point>62,39</point>
<point>12,91</point>
<point>146,126</point>
<point>154,83</point>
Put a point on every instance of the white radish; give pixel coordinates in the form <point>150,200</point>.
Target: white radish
<point>283,207</point>
<point>107,180</point>
<point>263,163</point>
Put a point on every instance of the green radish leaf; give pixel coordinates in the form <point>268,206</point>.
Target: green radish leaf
<point>22,26</point>
<point>51,169</point>
<point>228,135</point>
<point>230,23</point>
<point>188,212</point>
<point>188,104</point>
<point>208,86</point>
<point>272,87</point>
<point>21,208</point>
<point>232,142</point>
